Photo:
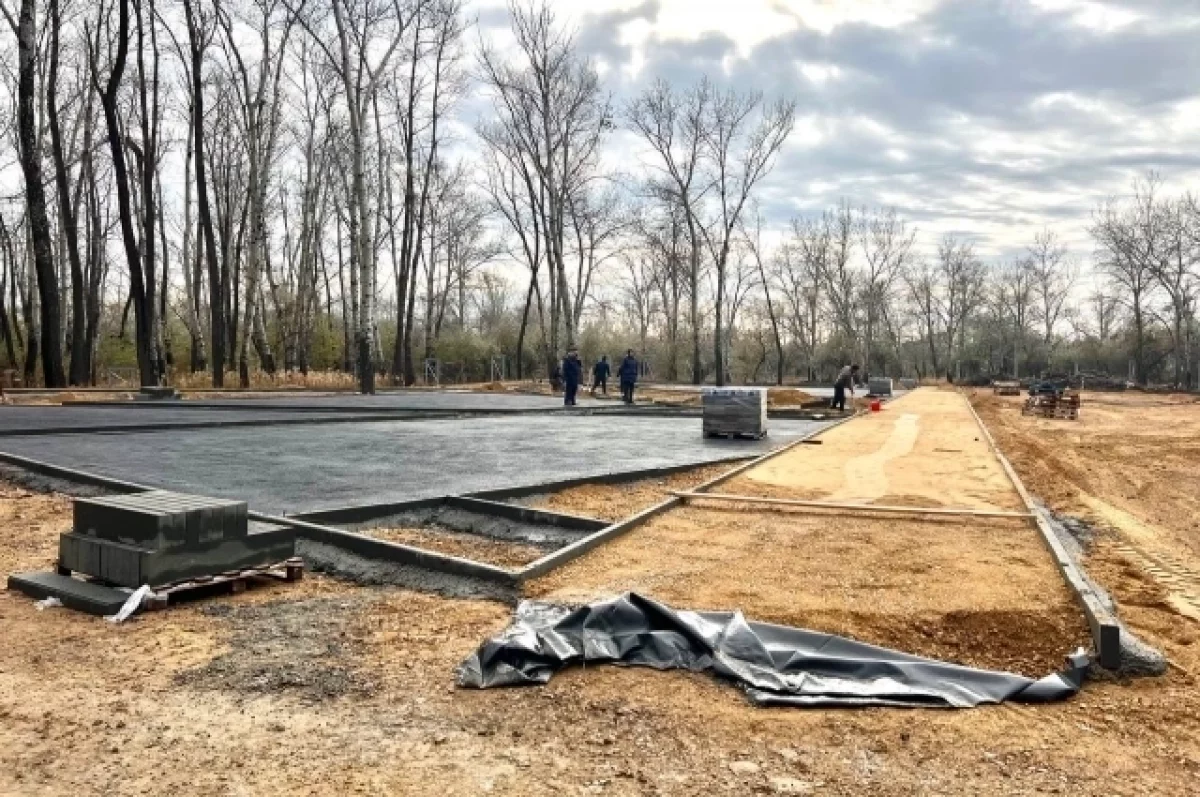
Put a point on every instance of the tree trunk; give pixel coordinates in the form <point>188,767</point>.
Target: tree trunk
<point>216,296</point>
<point>116,145</point>
<point>68,218</point>
<point>35,199</point>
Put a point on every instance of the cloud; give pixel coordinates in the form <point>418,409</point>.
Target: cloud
<point>989,117</point>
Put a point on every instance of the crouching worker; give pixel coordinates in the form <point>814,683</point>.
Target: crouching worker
<point>845,381</point>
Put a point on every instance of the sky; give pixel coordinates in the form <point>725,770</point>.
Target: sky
<point>990,119</point>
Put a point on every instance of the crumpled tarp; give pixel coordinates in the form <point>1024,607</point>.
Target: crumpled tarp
<point>776,665</point>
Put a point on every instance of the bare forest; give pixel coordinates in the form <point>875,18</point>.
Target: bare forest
<point>239,191</point>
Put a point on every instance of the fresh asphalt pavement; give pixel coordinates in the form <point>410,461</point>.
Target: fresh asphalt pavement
<point>303,468</point>
<point>421,400</point>
<point>19,420</point>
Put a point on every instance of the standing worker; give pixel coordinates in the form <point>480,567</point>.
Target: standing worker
<point>572,372</point>
<point>628,373</point>
<point>600,375</point>
<point>845,379</point>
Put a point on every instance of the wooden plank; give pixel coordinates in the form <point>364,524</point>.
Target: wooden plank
<point>837,505</point>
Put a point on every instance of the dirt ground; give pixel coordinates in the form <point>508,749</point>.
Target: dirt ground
<point>613,502</point>
<point>923,449</point>
<point>930,588</point>
<point>325,688</point>
<point>502,553</point>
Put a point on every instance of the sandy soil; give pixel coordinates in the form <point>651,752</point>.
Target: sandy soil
<point>934,589</point>
<point>614,502</point>
<point>1130,466</point>
<point>923,449</point>
<point>468,546</point>
<point>322,688</point>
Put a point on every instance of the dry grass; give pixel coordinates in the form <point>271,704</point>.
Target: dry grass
<point>313,380</point>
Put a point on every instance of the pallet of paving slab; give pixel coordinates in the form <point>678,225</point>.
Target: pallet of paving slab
<point>233,581</point>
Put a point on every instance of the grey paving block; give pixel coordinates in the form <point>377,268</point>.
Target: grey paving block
<point>74,594</point>
<point>79,553</point>
<point>253,550</point>
<point>160,519</point>
<point>131,566</point>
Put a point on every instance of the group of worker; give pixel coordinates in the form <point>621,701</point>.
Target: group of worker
<point>572,375</point>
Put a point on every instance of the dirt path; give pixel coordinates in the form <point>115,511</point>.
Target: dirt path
<point>982,592</point>
<point>323,688</point>
<point>924,449</point>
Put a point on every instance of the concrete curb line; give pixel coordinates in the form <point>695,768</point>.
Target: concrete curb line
<point>372,548</point>
<point>72,475</point>
<point>560,557</point>
<point>1105,628</point>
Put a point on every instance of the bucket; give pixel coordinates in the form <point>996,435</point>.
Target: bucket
<point>876,405</point>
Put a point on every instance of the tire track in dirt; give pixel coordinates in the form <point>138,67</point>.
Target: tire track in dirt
<point>1181,582</point>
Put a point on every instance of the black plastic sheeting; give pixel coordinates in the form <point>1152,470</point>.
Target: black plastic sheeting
<point>776,665</point>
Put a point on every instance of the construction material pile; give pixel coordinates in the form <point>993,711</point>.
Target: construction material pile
<point>1006,387</point>
<point>168,541</point>
<point>1056,404</point>
<point>159,537</point>
<point>735,412</point>
<point>879,386</point>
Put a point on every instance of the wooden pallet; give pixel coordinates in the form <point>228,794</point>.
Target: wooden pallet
<point>233,581</point>
<point>735,435</point>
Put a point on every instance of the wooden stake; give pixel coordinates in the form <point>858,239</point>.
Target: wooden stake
<point>912,510</point>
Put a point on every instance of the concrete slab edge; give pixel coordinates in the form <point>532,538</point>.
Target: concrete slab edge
<point>363,513</point>
<point>615,477</point>
<point>1104,626</point>
<point>372,548</point>
<point>72,475</point>
<point>560,557</point>
<point>524,513</point>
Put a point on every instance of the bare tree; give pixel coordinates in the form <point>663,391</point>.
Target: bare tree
<point>1130,241</point>
<point>753,241</point>
<point>259,98</point>
<point>1014,290</point>
<point>921,279</point>
<point>201,29</point>
<point>24,27</point>
<point>741,153</point>
<point>886,243</point>
<point>142,305</point>
<point>1053,273</point>
<point>367,34</point>
<point>551,117</point>
<point>675,126</point>
<point>962,277</point>
<point>1175,270</point>
<point>799,267</point>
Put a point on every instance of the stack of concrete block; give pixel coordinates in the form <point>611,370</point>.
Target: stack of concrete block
<point>735,412</point>
<point>879,386</point>
<point>160,537</point>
